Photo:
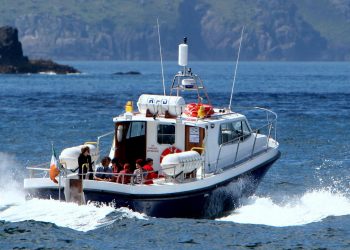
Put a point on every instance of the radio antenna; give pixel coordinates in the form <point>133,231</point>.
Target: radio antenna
<point>234,77</point>
<point>161,57</point>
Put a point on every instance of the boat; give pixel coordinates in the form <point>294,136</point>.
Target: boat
<point>206,158</point>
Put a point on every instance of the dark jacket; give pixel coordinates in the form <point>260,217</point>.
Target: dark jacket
<point>82,171</point>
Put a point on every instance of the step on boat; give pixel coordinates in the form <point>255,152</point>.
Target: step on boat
<point>205,158</point>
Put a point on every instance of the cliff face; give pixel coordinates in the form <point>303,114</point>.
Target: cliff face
<point>275,30</point>
<point>67,37</point>
<point>10,48</point>
<point>12,60</point>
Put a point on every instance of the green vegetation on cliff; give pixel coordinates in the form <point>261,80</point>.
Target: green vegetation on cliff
<point>328,17</point>
<point>125,30</point>
<point>132,13</point>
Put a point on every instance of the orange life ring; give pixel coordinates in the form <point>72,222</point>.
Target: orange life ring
<point>192,109</point>
<point>169,150</point>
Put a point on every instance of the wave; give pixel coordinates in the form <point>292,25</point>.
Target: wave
<point>14,207</point>
<point>312,206</point>
<point>50,73</point>
<point>78,217</point>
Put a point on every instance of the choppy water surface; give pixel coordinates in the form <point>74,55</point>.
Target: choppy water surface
<point>303,201</point>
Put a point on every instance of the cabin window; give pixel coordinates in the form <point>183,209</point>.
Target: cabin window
<point>136,129</point>
<point>232,131</point>
<point>166,134</point>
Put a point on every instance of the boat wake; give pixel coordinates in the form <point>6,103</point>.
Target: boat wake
<point>14,207</point>
<point>312,206</point>
<point>71,215</point>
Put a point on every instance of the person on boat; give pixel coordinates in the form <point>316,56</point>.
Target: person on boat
<point>116,165</point>
<point>85,164</point>
<point>124,176</point>
<point>148,167</point>
<point>116,168</point>
<point>103,172</point>
<point>139,176</point>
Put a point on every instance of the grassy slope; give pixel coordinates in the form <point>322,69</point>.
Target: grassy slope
<point>326,19</point>
<point>143,13</point>
<point>131,13</point>
<point>233,11</point>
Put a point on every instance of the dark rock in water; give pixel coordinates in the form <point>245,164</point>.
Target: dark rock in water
<point>128,73</point>
<point>10,48</point>
<point>12,60</point>
<point>37,66</point>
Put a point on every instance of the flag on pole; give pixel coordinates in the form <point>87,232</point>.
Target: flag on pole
<point>54,168</point>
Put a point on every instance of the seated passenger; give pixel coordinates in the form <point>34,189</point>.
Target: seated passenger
<point>151,174</point>
<point>116,168</point>
<point>124,176</point>
<point>103,171</point>
<point>139,175</point>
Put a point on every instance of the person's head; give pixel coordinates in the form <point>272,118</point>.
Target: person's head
<point>139,163</point>
<point>115,161</point>
<point>105,161</point>
<point>127,167</point>
<point>85,150</point>
<point>149,161</point>
<point>115,164</point>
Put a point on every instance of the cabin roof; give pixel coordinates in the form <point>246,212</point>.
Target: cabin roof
<point>215,118</point>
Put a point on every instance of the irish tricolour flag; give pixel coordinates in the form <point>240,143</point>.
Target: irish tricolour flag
<point>54,168</point>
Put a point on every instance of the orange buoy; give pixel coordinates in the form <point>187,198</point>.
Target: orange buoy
<point>193,108</point>
<point>169,150</point>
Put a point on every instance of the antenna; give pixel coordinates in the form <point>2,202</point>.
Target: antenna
<point>234,77</point>
<point>161,57</point>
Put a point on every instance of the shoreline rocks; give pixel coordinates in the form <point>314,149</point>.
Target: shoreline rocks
<point>128,73</point>
<point>12,60</point>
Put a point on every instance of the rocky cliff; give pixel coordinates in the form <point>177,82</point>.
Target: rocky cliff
<point>126,30</point>
<point>12,59</point>
<point>10,48</point>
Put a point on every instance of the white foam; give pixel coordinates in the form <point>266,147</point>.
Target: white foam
<point>79,217</point>
<point>14,207</point>
<point>311,207</point>
<point>50,73</point>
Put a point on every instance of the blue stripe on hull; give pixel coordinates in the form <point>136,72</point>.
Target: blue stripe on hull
<point>208,203</point>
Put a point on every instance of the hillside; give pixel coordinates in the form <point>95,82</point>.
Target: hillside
<point>126,30</point>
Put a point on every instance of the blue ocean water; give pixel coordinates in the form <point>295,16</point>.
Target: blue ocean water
<point>303,202</point>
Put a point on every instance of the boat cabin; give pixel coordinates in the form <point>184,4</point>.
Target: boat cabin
<point>166,124</point>
<point>149,133</point>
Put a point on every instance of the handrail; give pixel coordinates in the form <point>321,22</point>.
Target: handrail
<point>259,108</point>
<point>104,135</point>
<point>132,175</point>
<point>198,148</point>
<point>247,109</point>
<point>269,126</point>
<point>36,168</point>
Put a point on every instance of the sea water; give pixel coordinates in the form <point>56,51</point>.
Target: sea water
<point>302,202</point>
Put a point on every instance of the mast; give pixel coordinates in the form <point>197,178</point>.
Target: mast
<point>234,77</point>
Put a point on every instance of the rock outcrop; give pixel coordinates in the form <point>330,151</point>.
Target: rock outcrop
<point>10,48</point>
<point>12,60</point>
<point>127,73</point>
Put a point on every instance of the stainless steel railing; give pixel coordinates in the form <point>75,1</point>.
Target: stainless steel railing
<point>271,132</point>
<point>42,173</point>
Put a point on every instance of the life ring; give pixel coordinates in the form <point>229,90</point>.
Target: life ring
<point>192,109</point>
<point>169,150</point>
